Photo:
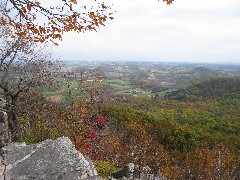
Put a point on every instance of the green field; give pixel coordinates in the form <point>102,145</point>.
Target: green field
<point>121,87</point>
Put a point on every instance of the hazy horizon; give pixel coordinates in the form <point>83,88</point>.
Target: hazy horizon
<point>186,31</point>
<point>145,61</point>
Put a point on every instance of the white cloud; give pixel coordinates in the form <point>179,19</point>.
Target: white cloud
<point>188,30</point>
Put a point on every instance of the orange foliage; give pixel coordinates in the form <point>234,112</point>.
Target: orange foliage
<point>24,17</point>
<point>206,163</point>
<point>134,145</point>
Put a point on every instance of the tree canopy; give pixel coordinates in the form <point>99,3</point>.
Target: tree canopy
<point>48,20</point>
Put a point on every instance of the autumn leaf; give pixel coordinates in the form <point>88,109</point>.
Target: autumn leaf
<point>24,9</point>
<point>41,40</point>
<point>37,3</point>
<point>169,2</point>
<point>53,22</point>
<point>74,1</point>
<point>21,34</point>
<point>103,6</point>
<point>60,21</point>
<point>29,8</point>
<point>3,21</point>
<point>100,22</point>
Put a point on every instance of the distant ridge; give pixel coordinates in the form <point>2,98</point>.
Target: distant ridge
<point>204,72</point>
<point>220,87</point>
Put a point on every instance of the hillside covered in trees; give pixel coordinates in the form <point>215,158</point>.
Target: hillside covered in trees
<point>180,135</point>
<point>181,120</point>
<point>213,88</point>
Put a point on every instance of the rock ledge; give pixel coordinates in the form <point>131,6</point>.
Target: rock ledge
<point>49,160</point>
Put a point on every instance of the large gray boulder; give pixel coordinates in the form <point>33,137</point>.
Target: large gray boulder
<point>50,160</point>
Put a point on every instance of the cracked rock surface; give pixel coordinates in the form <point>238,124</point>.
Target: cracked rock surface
<point>49,160</point>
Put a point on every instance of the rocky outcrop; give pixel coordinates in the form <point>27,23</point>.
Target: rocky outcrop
<point>49,160</point>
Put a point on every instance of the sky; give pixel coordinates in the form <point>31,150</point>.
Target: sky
<point>205,31</point>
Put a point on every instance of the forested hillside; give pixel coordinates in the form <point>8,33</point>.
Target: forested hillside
<point>211,88</point>
<point>205,121</point>
<point>176,137</point>
<point>180,120</point>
